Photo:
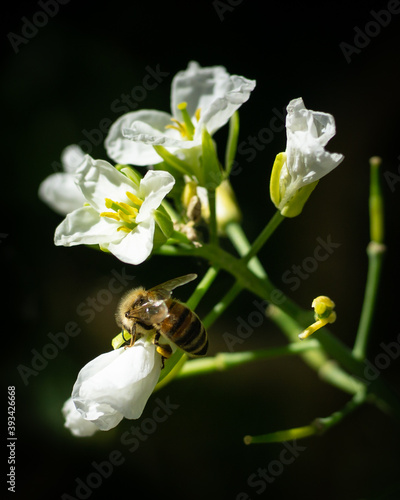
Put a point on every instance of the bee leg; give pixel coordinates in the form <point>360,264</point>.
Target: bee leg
<point>133,337</point>
<point>163,349</point>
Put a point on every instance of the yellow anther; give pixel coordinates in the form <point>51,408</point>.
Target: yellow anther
<point>110,215</point>
<point>134,198</point>
<point>197,114</point>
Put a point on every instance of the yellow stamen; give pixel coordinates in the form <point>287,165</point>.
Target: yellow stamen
<point>134,198</point>
<point>197,114</point>
<point>129,209</point>
<point>111,215</point>
<point>124,228</point>
<point>180,127</point>
<point>125,217</point>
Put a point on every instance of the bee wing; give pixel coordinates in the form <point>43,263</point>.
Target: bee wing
<point>164,290</point>
<point>153,311</point>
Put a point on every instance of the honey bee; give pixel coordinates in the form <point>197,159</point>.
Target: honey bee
<point>153,312</point>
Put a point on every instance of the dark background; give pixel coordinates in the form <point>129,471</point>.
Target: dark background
<point>62,83</point>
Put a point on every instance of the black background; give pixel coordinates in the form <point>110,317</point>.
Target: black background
<point>61,83</point>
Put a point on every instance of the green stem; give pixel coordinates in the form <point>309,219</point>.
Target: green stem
<point>222,305</point>
<point>328,370</point>
<point>266,290</point>
<point>239,240</point>
<point>225,360</point>
<point>213,217</point>
<point>317,427</point>
<point>264,235</point>
<point>202,287</point>
<point>375,252</point>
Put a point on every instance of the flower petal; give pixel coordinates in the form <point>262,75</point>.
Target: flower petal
<point>137,245</point>
<point>123,150</point>
<point>99,180</point>
<point>85,226</point>
<point>75,422</point>
<point>233,93</point>
<point>197,86</point>
<point>61,193</point>
<point>117,383</point>
<point>307,133</point>
<point>154,186</point>
<point>71,158</point>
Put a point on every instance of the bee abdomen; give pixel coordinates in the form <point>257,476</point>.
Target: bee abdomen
<point>185,329</point>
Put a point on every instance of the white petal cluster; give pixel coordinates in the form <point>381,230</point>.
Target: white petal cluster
<point>99,181</point>
<point>113,386</point>
<point>211,90</point>
<point>308,132</point>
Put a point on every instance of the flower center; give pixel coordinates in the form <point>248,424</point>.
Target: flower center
<point>185,127</point>
<point>124,212</point>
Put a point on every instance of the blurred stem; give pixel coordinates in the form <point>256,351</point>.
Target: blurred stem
<point>239,240</point>
<point>262,238</point>
<point>225,360</point>
<point>375,252</point>
<point>317,427</point>
<point>222,305</point>
<point>202,287</point>
<point>327,369</point>
<point>264,288</point>
<point>213,217</point>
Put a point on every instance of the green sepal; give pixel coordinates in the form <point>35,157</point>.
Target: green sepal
<point>274,183</point>
<point>211,172</point>
<point>231,144</point>
<point>296,204</point>
<point>172,160</point>
<point>130,172</point>
<point>164,221</point>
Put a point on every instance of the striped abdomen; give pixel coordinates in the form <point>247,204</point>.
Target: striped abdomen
<point>183,328</point>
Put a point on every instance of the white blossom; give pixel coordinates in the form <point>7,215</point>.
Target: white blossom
<point>119,215</point>
<point>211,96</point>
<point>114,385</point>
<point>59,190</point>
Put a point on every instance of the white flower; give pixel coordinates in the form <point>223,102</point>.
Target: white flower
<point>75,422</point>
<point>120,214</point>
<point>305,160</point>
<point>115,385</point>
<point>59,190</point>
<point>211,96</point>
